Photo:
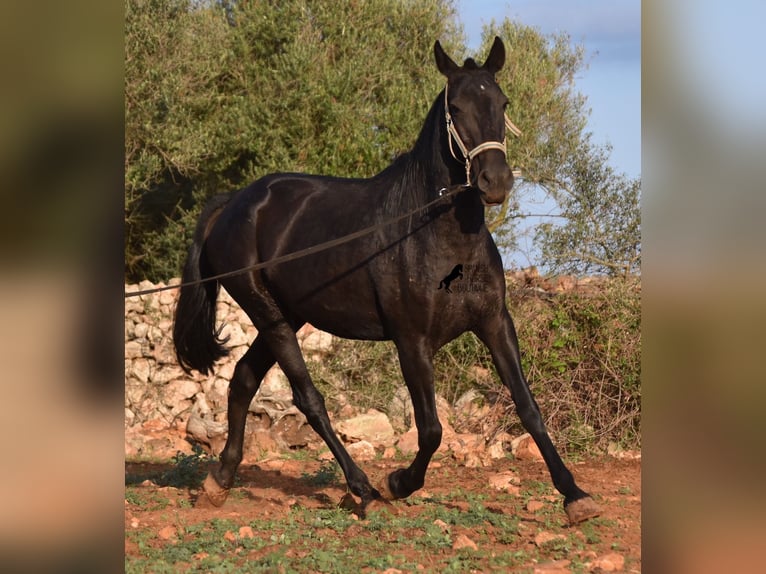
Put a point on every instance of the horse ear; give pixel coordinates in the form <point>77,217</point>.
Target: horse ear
<point>496,57</point>
<point>445,64</point>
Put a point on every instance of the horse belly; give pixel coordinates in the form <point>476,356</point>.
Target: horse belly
<point>343,304</point>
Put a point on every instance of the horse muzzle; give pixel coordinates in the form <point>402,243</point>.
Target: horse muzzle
<point>494,183</point>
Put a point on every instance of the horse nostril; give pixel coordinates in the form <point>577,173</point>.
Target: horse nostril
<point>485,181</point>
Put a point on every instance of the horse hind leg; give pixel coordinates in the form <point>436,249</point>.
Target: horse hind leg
<point>248,374</point>
<point>310,402</point>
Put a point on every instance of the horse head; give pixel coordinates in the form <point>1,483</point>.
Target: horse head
<point>475,117</point>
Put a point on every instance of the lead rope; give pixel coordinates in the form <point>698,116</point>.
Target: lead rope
<point>442,193</point>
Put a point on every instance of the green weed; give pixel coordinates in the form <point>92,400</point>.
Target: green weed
<point>328,474</point>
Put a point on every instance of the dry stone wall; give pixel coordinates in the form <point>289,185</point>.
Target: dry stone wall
<point>167,409</point>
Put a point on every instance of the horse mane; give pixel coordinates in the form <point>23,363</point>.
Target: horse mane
<point>410,179</point>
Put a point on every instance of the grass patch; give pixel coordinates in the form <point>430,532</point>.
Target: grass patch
<point>330,540</point>
<point>328,474</point>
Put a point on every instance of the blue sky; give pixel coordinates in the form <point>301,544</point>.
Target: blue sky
<point>610,31</point>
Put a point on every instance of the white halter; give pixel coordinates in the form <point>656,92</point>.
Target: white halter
<point>468,155</point>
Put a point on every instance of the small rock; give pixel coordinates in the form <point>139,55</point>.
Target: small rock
<point>246,532</point>
<point>508,481</point>
<point>373,426</point>
<point>524,448</point>
<point>608,563</point>
<point>554,567</point>
<point>167,532</point>
<point>467,449</point>
<point>408,442</point>
<point>133,350</point>
<point>260,444</point>
<point>389,452</point>
<point>230,536</point>
<point>348,502</point>
<point>205,430</point>
<point>176,390</point>
<point>316,341</point>
<point>400,410</point>
<point>237,337</point>
<point>462,541</point>
<point>534,505</point>
<point>475,460</point>
<point>361,450</point>
<point>495,451</point>
<point>441,524</point>
<point>141,369</point>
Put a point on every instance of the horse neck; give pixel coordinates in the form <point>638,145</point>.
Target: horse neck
<point>428,168</point>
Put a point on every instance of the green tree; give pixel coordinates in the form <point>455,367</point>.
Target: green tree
<point>602,229</point>
<point>219,93</point>
<point>539,80</point>
<point>600,208</point>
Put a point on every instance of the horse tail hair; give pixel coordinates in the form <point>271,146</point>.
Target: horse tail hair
<point>197,341</point>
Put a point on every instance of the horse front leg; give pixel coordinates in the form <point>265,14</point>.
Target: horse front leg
<point>416,360</point>
<point>499,335</point>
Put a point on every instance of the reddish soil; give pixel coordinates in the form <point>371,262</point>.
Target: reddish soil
<point>269,490</point>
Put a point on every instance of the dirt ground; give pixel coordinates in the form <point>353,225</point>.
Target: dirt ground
<point>271,491</point>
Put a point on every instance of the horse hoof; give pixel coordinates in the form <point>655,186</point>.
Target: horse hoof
<point>581,510</point>
<point>214,492</point>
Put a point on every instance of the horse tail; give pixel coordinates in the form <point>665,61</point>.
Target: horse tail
<point>197,341</point>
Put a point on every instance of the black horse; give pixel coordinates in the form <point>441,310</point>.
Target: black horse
<point>377,287</point>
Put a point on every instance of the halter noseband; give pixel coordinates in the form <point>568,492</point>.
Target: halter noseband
<point>468,155</point>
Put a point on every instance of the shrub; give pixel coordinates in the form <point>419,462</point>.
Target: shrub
<point>580,351</point>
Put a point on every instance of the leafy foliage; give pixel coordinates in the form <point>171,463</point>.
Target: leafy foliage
<point>581,352</point>
<point>602,233</point>
<point>327,474</point>
<point>298,85</point>
<point>582,355</point>
<point>219,93</point>
<point>600,208</point>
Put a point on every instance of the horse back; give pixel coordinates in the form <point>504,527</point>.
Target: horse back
<point>371,287</point>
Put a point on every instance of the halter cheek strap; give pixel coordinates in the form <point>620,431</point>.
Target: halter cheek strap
<point>467,154</point>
